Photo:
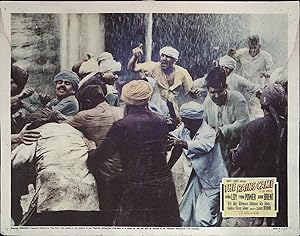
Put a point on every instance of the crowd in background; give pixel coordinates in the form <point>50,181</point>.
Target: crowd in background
<point>154,152</point>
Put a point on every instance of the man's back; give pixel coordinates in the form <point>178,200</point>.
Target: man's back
<point>63,181</point>
<point>95,122</point>
<point>257,148</point>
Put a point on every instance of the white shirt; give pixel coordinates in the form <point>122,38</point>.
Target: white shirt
<point>252,67</point>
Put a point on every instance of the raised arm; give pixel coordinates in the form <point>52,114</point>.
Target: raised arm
<point>136,53</point>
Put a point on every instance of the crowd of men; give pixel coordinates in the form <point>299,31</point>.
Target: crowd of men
<point>157,160</point>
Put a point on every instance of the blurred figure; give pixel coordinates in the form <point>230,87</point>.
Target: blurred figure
<point>231,52</point>
<point>195,139</point>
<point>23,101</point>
<point>226,111</point>
<point>158,105</point>
<point>173,81</point>
<point>140,138</point>
<point>262,151</point>
<point>66,84</point>
<point>89,67</point>
<point>106,69</point>
<point>66,192</point>
<point>254,64</point>
<point>238,83</point>
<point>94,119</point>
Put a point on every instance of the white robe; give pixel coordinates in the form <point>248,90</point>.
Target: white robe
<point>199,205</point>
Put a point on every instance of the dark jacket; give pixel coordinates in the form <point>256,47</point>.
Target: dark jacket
<point>256,153</point>
<point>148,197</point>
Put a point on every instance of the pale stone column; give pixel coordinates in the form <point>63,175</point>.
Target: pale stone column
<point>148,36</point>
<point>95,33</point>
<point>73,40</point>
<point>63,53</point>
<point>80,34</point>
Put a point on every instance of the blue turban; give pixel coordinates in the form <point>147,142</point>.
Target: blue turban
<point>70,76</point>
<point>192,110</point>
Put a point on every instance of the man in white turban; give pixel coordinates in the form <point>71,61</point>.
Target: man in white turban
<point>200,156</point>
<point>238,83</point>
<point>103,68</point>
<point>173,81</point>
<point>108,68</point>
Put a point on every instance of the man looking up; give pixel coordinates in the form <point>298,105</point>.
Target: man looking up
<point>174,81</point>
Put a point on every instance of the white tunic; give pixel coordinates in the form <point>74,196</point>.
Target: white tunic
<point>252,67</point>
<point>63,181</point>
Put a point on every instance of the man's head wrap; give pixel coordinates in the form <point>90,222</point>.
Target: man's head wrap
<point>192,110</point>
<point>169,51</point>
<point>88,66</point>
<point>69,76</point>
<point>109,65</point>
<point>19,76</point>
<point>274,96</point>
<point>94,80</point>
<point>94,93</point>
<point>228,62</point>
<point>216,78</point>
<point>104,56</point>
<point>42,117</point>
<point>137,92</point>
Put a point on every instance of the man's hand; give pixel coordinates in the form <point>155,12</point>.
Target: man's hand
<point>90,144</point>
<point>264,74</point>
<point>219,134</point>
<point>195,92</point>
<point>26,136</point>
<point>26,93</point>
<point>138,51</point>
<point>174,141</point>
<point>258,93</point>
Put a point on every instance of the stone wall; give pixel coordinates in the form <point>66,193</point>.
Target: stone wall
<point>35,46</point>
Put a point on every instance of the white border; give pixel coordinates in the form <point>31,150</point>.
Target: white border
<point>290,8</point>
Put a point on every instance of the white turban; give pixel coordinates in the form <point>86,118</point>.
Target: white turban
<point>228,62</point>
<point>136,92</point>
<point>109,65</point>
<point>88,66</point>
<point>105,56</point>
<point>169,51</point>
<point>192,110</point>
